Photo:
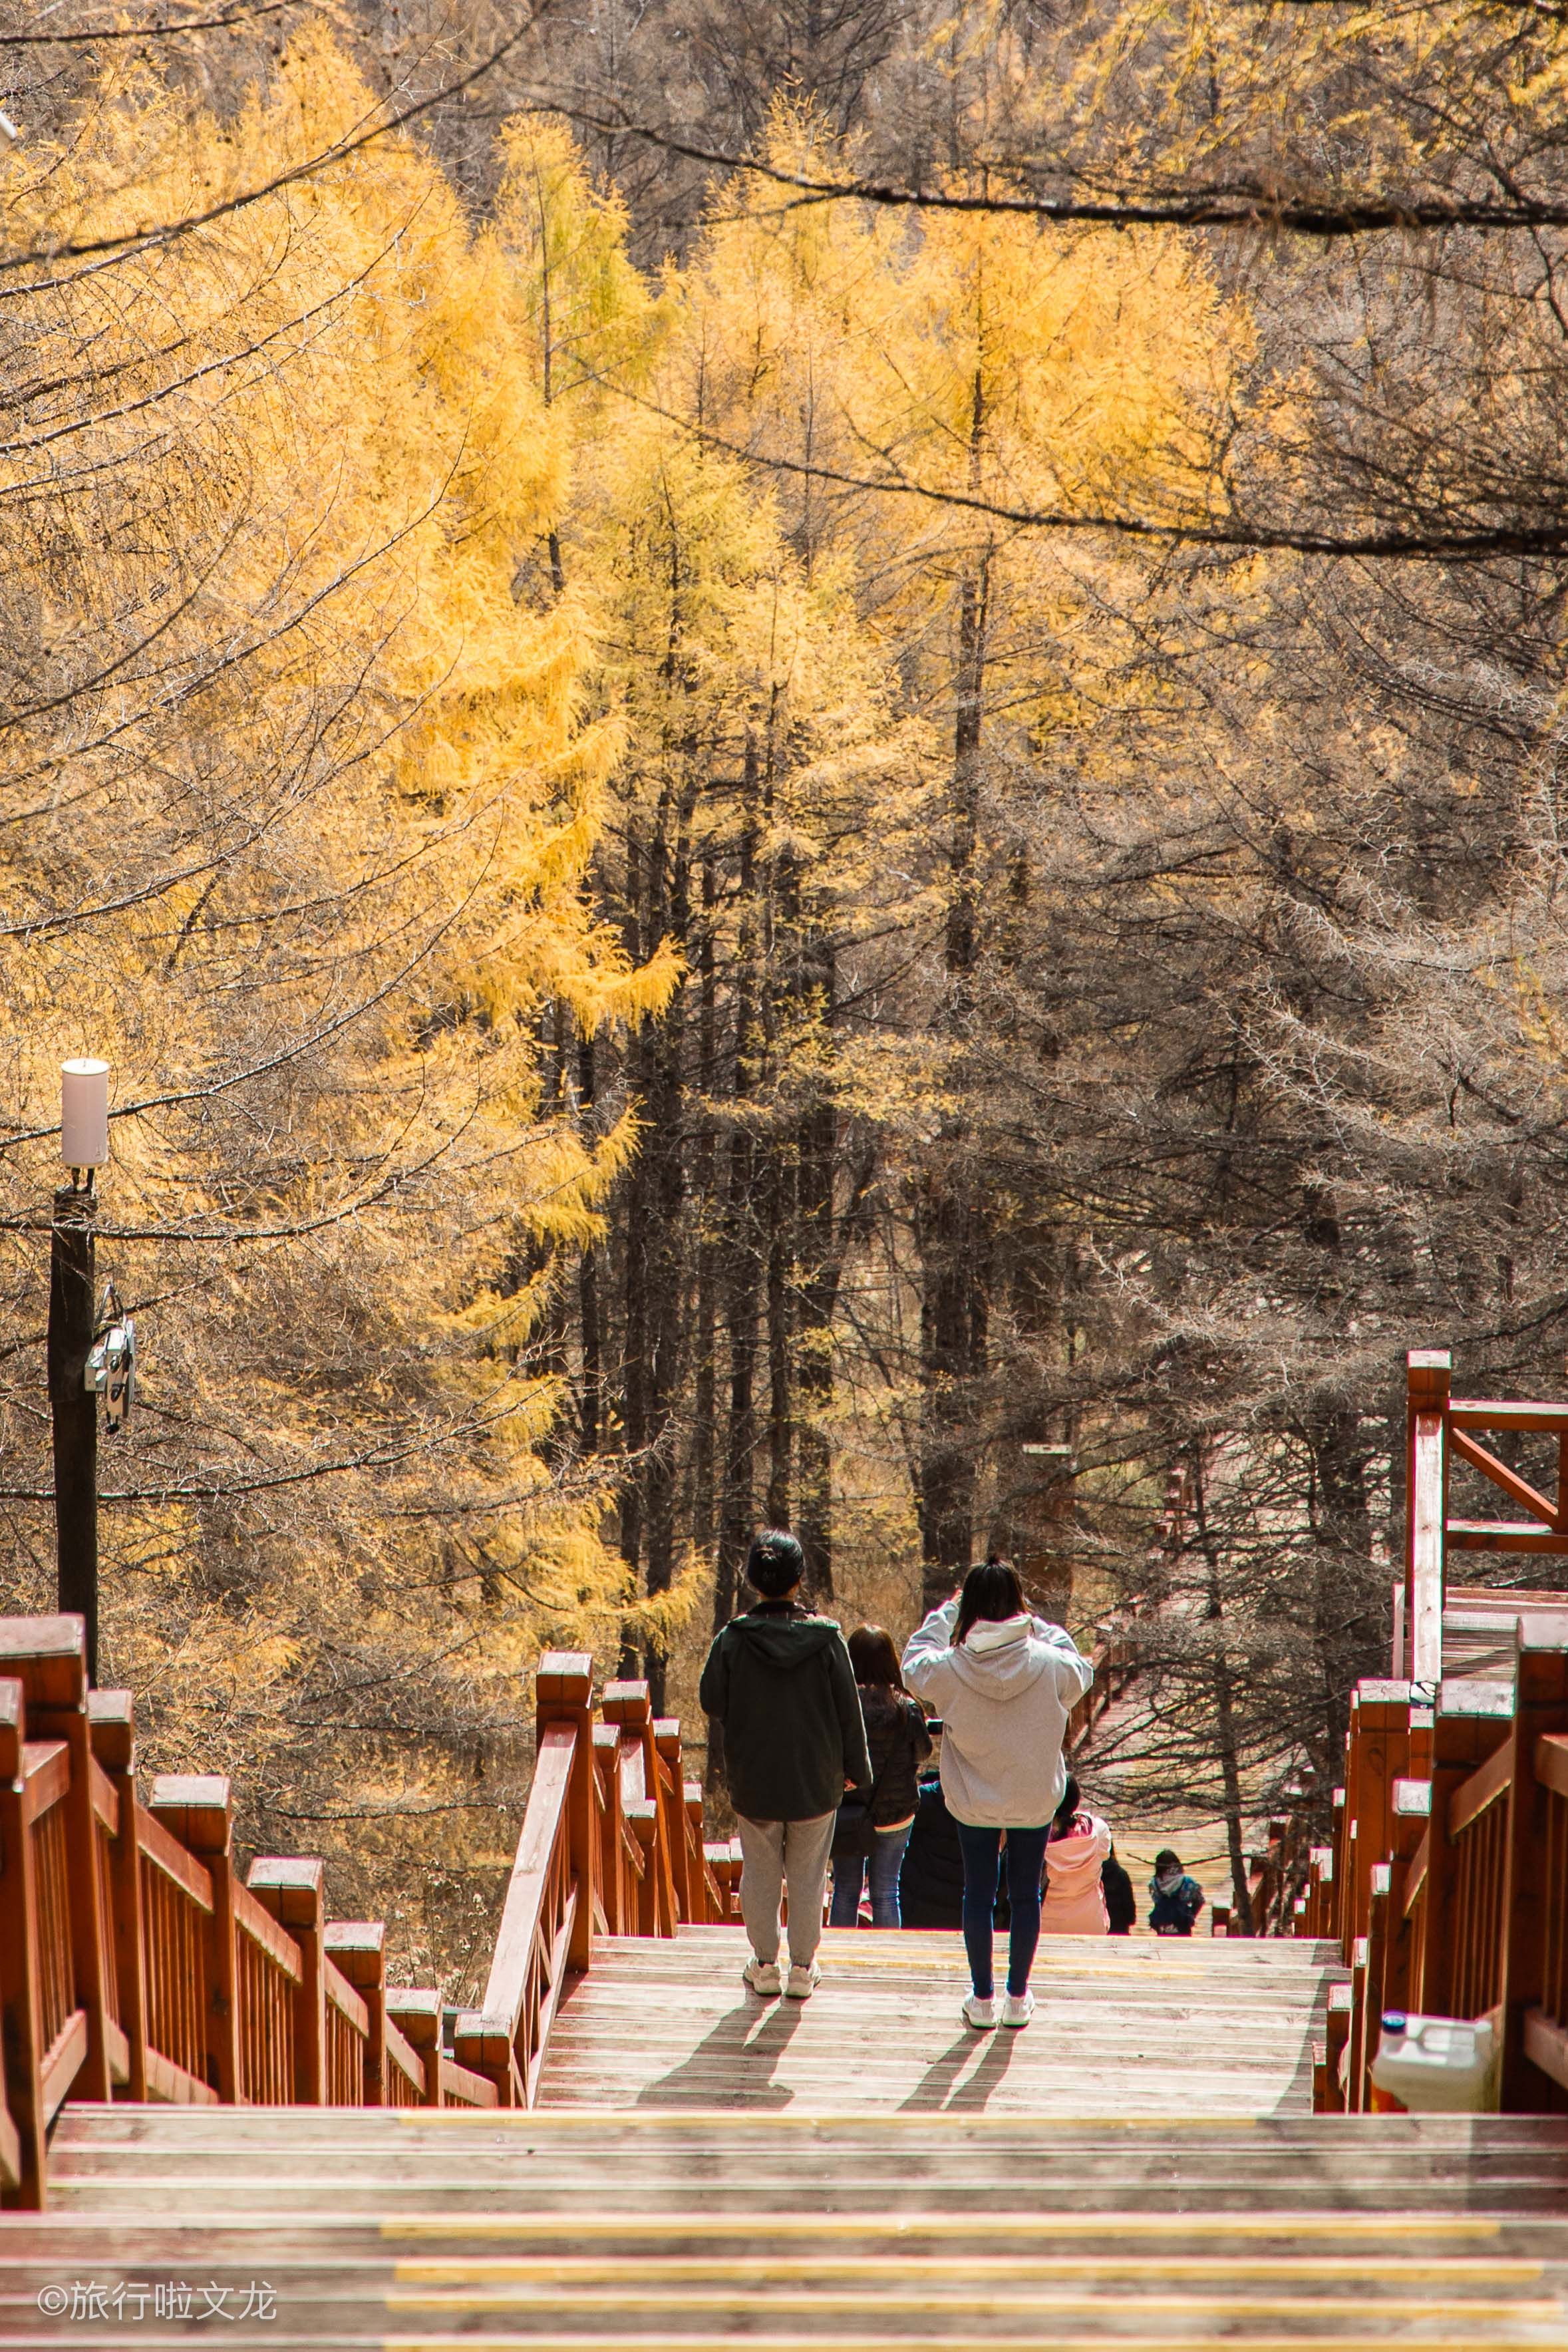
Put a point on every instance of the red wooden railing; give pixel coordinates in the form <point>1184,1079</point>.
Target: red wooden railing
<point>1446,1881</point>
<point>135,1963</point>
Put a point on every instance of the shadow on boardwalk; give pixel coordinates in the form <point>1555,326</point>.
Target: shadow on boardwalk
<point>940,2087</point>
<point>740,2053</point>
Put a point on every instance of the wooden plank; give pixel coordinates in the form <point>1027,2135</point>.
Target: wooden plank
<point>1428,1484</point>
<point>461,2087</point>
<point>1518,1490</point>
<point>19,1991</point>
<point>175,2086</point>
<point>543,1823</point>
<point>401,2054</point>
<point>118,2046</point>
<point>64,2063</point>
<point>46,1777</point>
<point>1421,1863</point>
<point>111,1724</point>
<point>1507,1413</point>
<point>10,2153</point>
<point>1525,1928</point>
<point>1546,2045</point>
<point>166,1853</point>
<point>342,1996</point>
<point>1489,1781</point>
<point>1503,1535</point>
<point>105,1799</point>
<point>291,1887</point>
<point>252,1919</point>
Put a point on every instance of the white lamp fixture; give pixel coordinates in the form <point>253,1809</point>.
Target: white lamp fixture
<point>84,1114</point>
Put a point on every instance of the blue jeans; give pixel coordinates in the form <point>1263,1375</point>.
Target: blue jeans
<point>1026,1861</point>
<point>886,1860</point>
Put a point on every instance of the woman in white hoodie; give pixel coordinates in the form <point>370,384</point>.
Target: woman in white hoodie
<point>1003,1682</point>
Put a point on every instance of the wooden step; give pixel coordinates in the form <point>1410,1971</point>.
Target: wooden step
<point>1119,2027</point>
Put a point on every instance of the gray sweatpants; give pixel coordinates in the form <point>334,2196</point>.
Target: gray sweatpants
<point>776,1856</point>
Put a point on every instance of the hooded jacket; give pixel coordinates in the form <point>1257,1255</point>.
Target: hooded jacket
<point>1003,1698</point>
<point>1074,1895</point>
<point>780,1682</point>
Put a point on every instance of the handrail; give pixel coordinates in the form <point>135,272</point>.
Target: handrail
<point>134,1962</point>
<point>1447,1882</point>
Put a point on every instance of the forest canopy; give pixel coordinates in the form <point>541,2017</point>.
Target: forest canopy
<point>775,808</point>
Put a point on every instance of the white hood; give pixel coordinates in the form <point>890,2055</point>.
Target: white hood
<point>1003,1698</point>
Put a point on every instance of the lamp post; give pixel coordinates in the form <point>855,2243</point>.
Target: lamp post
<point>73,1291</point>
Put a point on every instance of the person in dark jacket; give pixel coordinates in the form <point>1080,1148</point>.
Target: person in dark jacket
<point>931,1884</point>
<point>1121,1903</point>
<point>780,1683</point>
<point>1178,1899</point>
<point>899,1743</point>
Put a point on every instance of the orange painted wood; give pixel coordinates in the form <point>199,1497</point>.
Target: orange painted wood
<point>1541,1714</point>
<point>461,2088</point>
<point>67,2057</point>
<point>111,1726</point>
<point>48,1655</point>
<point>348,2004</point>
<point>1428,1373</point>
<point>20,2002</point>
<point>415,2013</point>
<point>357,1948</point>
<point>1552,1762</point>
<point>402,2069</point>
<point>175,2086</point>
<point>563,1697</point>
<point>196,1810</point>
<point>1503,1535</point>
<point>167,1854</point>
<point>1518,1490</point>
<point>46,1777</point>
<point>290,1888</point>
<point>505,2039</point>
<point>258,1924</point>
<point>1486,1784</point>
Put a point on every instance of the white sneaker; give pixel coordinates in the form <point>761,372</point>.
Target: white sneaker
<point>803,1983</point>
<point>1017,2009</point>
<point>762,1976</point>
<point>981,2014</point>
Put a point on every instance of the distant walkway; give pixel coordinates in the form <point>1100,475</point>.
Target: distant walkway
<point>1151,2028</point>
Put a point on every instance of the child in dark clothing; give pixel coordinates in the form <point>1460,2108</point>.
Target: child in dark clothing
<point>1178,1899</point>
<point>1121,1903</point>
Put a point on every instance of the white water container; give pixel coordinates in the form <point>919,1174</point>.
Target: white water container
<point>1437,2065</point>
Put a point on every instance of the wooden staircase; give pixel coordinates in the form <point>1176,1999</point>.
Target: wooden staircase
<point>623,2146</point>
<point>1142,2162</point>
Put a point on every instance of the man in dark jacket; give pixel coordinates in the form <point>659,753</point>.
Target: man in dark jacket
<point>779,1682</point>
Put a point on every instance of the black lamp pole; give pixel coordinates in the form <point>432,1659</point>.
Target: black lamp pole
<point>73,1407</point>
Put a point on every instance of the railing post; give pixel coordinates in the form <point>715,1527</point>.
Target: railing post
<point>628,1705</point>
<point>1428,1377</point>
<point>563,1693</point>
<point>49,1655</point>
<point>21,2016</point>
<point>612,1867</point>
<point>195,1810</point>
<point>672,1800</point>
<point>691,1797</point>
<point>1541,1707</point>
<point>359,1949</point>
<point>417,2014</point>
<point>289,1887</point>
<point>111,1724</point>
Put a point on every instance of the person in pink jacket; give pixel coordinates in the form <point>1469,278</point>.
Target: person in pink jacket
<point>1077,1845</point>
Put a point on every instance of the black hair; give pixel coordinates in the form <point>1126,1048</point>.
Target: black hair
<point>1167,1860</point>
<point>991,1594</point>
<point>1068,1804</point>
<point>775,1564</point>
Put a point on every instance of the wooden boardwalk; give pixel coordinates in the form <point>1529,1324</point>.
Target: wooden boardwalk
<point>1120,2028</point>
